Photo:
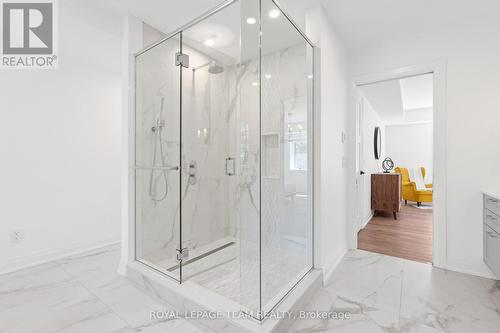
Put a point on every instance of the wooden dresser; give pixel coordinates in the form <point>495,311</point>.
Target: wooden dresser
<point>386,192</point>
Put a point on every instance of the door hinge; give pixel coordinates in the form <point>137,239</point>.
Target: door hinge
<point>182,254</point>
<point>181,59</point>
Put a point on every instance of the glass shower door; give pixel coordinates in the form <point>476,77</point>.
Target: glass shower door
<point>157,157</point>
<point>209,152</point>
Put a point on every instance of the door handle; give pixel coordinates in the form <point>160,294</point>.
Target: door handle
<point>230,166</point>
<point>361,172</point>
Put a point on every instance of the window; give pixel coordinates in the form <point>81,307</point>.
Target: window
<point>297,139</point>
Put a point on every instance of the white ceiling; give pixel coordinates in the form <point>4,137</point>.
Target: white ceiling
<point>403,101</point>
<point>224,28</point>
<point>416,92</point>
<point>362,23</point>
<point>168,15</point>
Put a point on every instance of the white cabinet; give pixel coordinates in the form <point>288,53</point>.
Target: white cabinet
<point>491,233</point>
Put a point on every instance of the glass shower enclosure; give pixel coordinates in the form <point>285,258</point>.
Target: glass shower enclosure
<point>223,154</point>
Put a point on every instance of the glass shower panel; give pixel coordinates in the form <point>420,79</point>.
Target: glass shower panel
<point>220,153</point>
<point>223,162</point>
<point>209,151</point>
<point>157,157</point>
<point>286,218</point>
<point>249,158</point>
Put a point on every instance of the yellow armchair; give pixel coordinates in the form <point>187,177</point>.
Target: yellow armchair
<point>409,188</point>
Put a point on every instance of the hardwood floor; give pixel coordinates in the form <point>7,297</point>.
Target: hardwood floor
<point>408,237</point>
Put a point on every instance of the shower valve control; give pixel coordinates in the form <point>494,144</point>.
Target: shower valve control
<point>192,170</point>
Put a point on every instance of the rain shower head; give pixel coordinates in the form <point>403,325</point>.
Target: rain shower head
<point>213,68</point>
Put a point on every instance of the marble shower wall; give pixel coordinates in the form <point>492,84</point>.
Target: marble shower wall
<point>285,221</point>
<point>157,98</point>
<point>284,84</point>
<point>208,111</point>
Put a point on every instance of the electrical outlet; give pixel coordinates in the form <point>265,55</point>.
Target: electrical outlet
<point>17,236</point>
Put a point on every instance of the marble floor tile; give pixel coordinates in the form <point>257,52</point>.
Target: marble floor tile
<point>383,294</point>
<point>56,307</point>
<point>95,268</point>
<point>171,326</point>
<point>130,303</point>
<point>81,293</point>
<point>447,301</point>
<point>386,294</point>
<point>493,288</point>
<point>370,284</point>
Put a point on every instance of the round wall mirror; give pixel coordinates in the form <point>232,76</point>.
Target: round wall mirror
<point>377,143</point>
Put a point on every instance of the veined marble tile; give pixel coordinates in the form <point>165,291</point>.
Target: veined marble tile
<point>446,301</point>
<point>493,288</point>
<point>172,326</point>
<point>93,269</point>
<point>327,301</point>
<point>61,306</point>
<point>373,287</point>
<point>370,284</point>
<point>32,279</point>
<point>130,303</point>
<point>48,299</point>
<point>102,259</point>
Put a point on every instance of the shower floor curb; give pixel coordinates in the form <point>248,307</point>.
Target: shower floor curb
<point>190,297</point>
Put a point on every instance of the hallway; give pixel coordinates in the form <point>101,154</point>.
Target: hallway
<point>408,237</point>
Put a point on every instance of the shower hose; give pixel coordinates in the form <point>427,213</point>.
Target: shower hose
<point>158,129</point>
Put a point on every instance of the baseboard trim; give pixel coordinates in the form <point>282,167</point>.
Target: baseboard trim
<point>328,270</point>
<point>50,256</point>
<point>484,273</point>
<point>367,220</point>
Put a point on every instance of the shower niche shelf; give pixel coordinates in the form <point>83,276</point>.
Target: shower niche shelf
<point>271,156</point>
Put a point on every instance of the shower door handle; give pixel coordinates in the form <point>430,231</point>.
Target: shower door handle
<point>165,168</point>
<point>230,166</point>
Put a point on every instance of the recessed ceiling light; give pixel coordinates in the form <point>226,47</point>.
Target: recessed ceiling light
<point>268,76</point>
<point>310,76</point>
<point>251,20</point>
<point>274,13</point>
<point>209,42</point>
<point>255,84</point>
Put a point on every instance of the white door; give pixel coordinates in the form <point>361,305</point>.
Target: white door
<point>360,174</point>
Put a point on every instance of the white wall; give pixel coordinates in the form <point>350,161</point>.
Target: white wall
<point>330,172</point>
<point>471,51</point>
<point>60,144</point>
<point>369,120</point>
<point>410,146</point>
